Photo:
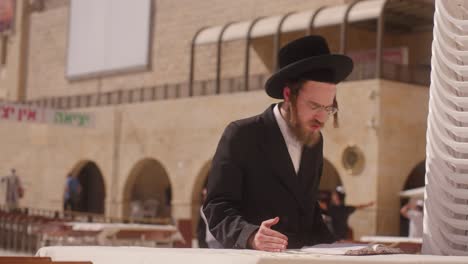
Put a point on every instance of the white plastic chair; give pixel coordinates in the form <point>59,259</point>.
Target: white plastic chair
<point>450,89</point>
<point>453,54</point>
<point>452,191</point>
<point>440,105</point>
<point>459,131</point>
<point>456,57</point>
<point>444,93</point>
<point>439,65</point>
<point>449,39</point>
<point>460,86</point>
<point>444,147</point>
<point>459,69</point>
<point>442,213</point>
<point>439,167</point>
<point>460,38</point>
<point>440,243</point>
<point>461,147</point>
<point>460,24</point>
<point>436,148</point>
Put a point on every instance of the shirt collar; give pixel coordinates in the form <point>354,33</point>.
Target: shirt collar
<point>288,136</point>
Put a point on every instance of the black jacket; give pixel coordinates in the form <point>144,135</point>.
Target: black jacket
<point>252,179</point>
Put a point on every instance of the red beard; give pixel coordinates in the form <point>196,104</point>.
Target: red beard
<point>299,130</point>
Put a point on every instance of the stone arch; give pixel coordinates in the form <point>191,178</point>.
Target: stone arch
<point>200,183</point>
<point>93,191</point>
<point>328,182</point>
<point>415,179</point>
<point>147,191</point>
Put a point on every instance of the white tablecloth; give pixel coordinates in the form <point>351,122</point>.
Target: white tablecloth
<point>140,255</point>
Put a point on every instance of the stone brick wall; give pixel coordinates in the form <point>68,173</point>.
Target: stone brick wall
<point>174,24</point>
<point>182,134</point>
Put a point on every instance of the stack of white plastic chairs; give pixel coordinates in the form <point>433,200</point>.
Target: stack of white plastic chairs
<point>446,200</point>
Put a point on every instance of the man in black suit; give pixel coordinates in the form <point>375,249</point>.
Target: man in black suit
<point>263,184</point>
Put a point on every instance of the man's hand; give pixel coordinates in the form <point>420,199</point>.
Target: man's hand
<point>268,239</point>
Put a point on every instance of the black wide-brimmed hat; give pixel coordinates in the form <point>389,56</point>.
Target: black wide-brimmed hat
<point>307,58</point>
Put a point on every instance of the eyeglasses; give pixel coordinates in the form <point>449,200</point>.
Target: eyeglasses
<point>331,109</point>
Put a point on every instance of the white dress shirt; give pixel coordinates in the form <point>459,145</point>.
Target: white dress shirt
<point>294,146</point>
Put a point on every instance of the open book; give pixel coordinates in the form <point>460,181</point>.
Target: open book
<point>350,249</point>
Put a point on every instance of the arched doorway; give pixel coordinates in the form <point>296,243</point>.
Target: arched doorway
<point>330,177</point>
<point>197,199</point>
<point>415,179</point>
<point>148,191</point>
<point>328,182</point>
<point>93,191</point>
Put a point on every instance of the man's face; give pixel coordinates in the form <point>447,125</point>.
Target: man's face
<point>306,115</point>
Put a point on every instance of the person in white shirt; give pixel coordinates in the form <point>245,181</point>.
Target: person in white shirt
<point>413,210</point>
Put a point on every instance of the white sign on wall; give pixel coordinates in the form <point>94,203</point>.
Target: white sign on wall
<point>108,36</point>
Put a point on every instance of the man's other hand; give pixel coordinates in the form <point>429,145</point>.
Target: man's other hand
<point>267,239</point>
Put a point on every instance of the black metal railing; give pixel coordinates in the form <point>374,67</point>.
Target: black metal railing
<point>23,229</point>
<point>419,75</point>
<point>144,94</point>
<point>414,74</point>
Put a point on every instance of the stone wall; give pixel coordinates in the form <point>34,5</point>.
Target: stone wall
<point>385,120</point>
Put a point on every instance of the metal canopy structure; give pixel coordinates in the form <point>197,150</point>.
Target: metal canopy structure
<point>299,21</point>
<point>396,15</point>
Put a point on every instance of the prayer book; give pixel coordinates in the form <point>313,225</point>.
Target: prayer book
<point>350,249</point>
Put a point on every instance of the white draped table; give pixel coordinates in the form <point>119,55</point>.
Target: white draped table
<point>141,255</point>
<point>111,234</point>
<point>107,230</point>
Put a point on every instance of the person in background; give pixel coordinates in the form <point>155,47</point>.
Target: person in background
<point>72,192</point>
<point>201,226</point>
<point>413,210</point>
<point>340,212</point>
<point>14,190</point>
<point>324,203</point>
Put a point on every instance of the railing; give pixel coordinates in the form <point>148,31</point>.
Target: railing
<point>145,94</point>
<point>88,217</point>
<point>24,229</point>
<point>414,74</point>
<point>402,73</point>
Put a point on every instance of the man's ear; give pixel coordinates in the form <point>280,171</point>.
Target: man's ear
<point>287,94</point>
